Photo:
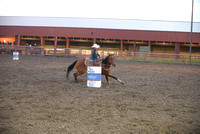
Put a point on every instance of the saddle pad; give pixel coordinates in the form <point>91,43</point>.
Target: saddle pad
<point>88,62</point>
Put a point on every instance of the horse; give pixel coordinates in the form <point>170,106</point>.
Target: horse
<point>106,64</point>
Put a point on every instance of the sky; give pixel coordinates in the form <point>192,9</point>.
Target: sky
<point>167,10</point>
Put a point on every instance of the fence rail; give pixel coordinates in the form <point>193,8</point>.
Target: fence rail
<point>121,55</point>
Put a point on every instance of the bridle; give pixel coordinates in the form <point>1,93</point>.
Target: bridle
<point>106,65</point>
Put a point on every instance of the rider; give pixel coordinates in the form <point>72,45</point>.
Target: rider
<point>94,54</point>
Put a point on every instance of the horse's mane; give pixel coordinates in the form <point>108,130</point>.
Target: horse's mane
<point>104,61</point>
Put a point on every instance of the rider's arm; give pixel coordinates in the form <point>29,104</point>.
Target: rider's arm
<point>98,55</point>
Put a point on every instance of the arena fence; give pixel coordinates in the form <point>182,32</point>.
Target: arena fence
<point>121,55</point>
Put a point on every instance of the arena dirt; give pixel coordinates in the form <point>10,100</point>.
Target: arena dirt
<point>35,98</point>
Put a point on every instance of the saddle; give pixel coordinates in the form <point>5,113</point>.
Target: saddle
<point>89,62</point>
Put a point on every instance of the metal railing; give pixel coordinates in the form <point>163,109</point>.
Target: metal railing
<point>121,55</point>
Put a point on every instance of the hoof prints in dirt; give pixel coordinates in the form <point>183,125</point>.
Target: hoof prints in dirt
<point>35,97</point>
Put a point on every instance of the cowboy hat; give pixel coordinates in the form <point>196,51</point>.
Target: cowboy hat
<point>95,46</point>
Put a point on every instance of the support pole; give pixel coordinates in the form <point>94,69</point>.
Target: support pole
<point>149,47</point>
<point>94,41</point>
<point>17,42</point>
<point>67,42</point>
<point>42,41</point>
<point>121,47</point>
<point>67,50</point>
<point>191,32</point>
<point>134,47</point>
<point>55,44</point>
<point>177,50</point>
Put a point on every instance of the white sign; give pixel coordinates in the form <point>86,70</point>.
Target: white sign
<point>94,76</point>
<point>91,83</point>
<point>15,55</point>
<point>94,69</point>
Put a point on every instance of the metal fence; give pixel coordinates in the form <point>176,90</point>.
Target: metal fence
<point>121,55</point>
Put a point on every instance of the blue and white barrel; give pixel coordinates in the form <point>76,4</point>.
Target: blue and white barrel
<point>15,55</point>
<point>94,76</point>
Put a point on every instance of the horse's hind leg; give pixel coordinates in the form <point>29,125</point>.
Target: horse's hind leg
<point>77,74</point>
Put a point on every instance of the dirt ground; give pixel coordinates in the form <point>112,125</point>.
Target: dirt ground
<point>35,98</point>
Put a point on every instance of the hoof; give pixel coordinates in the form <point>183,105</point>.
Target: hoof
<point>109,82</point>
<point>122,83</point>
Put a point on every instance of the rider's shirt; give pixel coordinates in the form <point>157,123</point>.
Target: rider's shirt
<point>94,54</point>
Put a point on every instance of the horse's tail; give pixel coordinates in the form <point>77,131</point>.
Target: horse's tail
<point>70,69</point>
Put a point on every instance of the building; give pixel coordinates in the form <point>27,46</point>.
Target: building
<point>115,34</point>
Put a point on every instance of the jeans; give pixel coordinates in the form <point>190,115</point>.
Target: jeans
<point>94,62</point>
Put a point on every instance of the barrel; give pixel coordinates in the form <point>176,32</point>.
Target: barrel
<point>94,76</point>
<point>15,55</point>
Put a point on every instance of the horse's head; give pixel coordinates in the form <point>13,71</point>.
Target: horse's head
<point>112,59</point>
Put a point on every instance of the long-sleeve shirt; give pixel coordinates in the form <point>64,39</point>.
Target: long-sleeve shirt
<point>94,54</point>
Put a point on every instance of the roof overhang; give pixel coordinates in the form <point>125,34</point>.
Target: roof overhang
<point>100,28</point>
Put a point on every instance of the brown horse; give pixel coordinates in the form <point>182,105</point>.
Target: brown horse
<point>106,64</point>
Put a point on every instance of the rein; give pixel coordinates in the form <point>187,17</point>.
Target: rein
<point>105,64</point>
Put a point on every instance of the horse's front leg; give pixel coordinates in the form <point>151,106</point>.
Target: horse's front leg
<point>107,79</point>
<point>115,78</point>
